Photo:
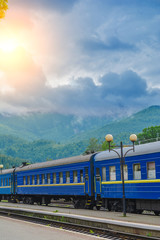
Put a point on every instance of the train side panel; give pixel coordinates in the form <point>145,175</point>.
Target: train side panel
<point>141,179</point>
<point>137,184</point>
<point>5,184</point>
<point>68,180</point>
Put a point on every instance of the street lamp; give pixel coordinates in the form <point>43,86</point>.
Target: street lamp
<point>1,166</point>
<point>133,139</point>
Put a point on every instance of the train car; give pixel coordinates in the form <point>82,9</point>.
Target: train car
<point>69,178</point>
<point>6,188</point>
<point>141,175</point>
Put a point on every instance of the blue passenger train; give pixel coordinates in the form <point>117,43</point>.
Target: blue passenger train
<point>90,180</point>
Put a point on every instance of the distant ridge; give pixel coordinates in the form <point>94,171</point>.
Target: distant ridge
<point>69,128</point>
<point>35,137</point>
<point>48,126</point>
<point>121,129</point>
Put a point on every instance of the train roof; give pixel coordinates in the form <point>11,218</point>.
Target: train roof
<point>6,171</point>
<point>105,155</point>
<point>52,163</point>
<point>139,150</point>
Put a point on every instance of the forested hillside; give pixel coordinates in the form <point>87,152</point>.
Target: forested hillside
<point>39,149</point>
<point>122,129</point>
<point>49,126</point>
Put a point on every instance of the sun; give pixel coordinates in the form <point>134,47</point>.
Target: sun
<point>9,45</point>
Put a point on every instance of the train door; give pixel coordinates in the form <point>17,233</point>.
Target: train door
<point>98,181</point>
<point>86,181</point>
<point>15,183</point>
<point>12,183</point>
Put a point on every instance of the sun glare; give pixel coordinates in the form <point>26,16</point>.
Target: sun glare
<point>9,45</point>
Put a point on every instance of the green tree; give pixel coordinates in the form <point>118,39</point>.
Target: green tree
<point>3,8</point>
<point>105,146</point>
<point>149,134</point>
<point>95,146</point>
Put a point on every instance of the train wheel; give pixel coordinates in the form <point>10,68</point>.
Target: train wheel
<point>79,204</point>
<point>90,207</point>
<point>156,213</point>
<point>39,202</point>
<point>76,204</point>
<point>139,211</point>
<point>98,207</point>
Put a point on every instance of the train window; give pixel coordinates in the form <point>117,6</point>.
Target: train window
<point>112,173</point>
<point>9,182</point>
<point>137,171</point>
<point>48,178</point>
<point>75,180</point>
<point>125,171</point>
<point>86,174</point>
<point>43,179</point>
<point>33,180</point>
<point>24,180</point>
<point>1,182</point>
<point>97,172</point>
<point>81,176</point>
<point>54,178</point>
<point>60,177</point>
<point>151,171</point>
<point>28,180</point>
<point>67,177</point>
<point>38,179</point>
<point>103,173</point>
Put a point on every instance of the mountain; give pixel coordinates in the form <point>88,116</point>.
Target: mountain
<point>122,129</point>
<point>37,137</point>
<point>36,151</point>
<point>50,126</point>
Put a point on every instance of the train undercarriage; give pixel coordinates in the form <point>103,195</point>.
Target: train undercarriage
<point>114,205</point>
<point>132,205</point>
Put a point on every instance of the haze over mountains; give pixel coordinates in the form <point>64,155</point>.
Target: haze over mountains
<point>49,126</point>
<point>38,137</point>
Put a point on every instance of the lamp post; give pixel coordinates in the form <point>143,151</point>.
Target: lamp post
<point>1,166</point>
<point>133,139</point>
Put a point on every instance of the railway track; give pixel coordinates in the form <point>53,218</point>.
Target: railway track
<point>61,223</point>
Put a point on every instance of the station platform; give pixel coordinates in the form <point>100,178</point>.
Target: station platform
<point>143,225</point>
<point>145,218</point>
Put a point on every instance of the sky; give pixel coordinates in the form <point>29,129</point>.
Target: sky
<point>82,57</point>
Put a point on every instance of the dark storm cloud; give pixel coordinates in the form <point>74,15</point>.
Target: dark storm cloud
<point>58,5</point>
<point>112,44</point>
<point>127,85</point>
<point>114,93</point>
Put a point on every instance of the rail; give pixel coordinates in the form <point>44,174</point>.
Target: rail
<point>97,227</point>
